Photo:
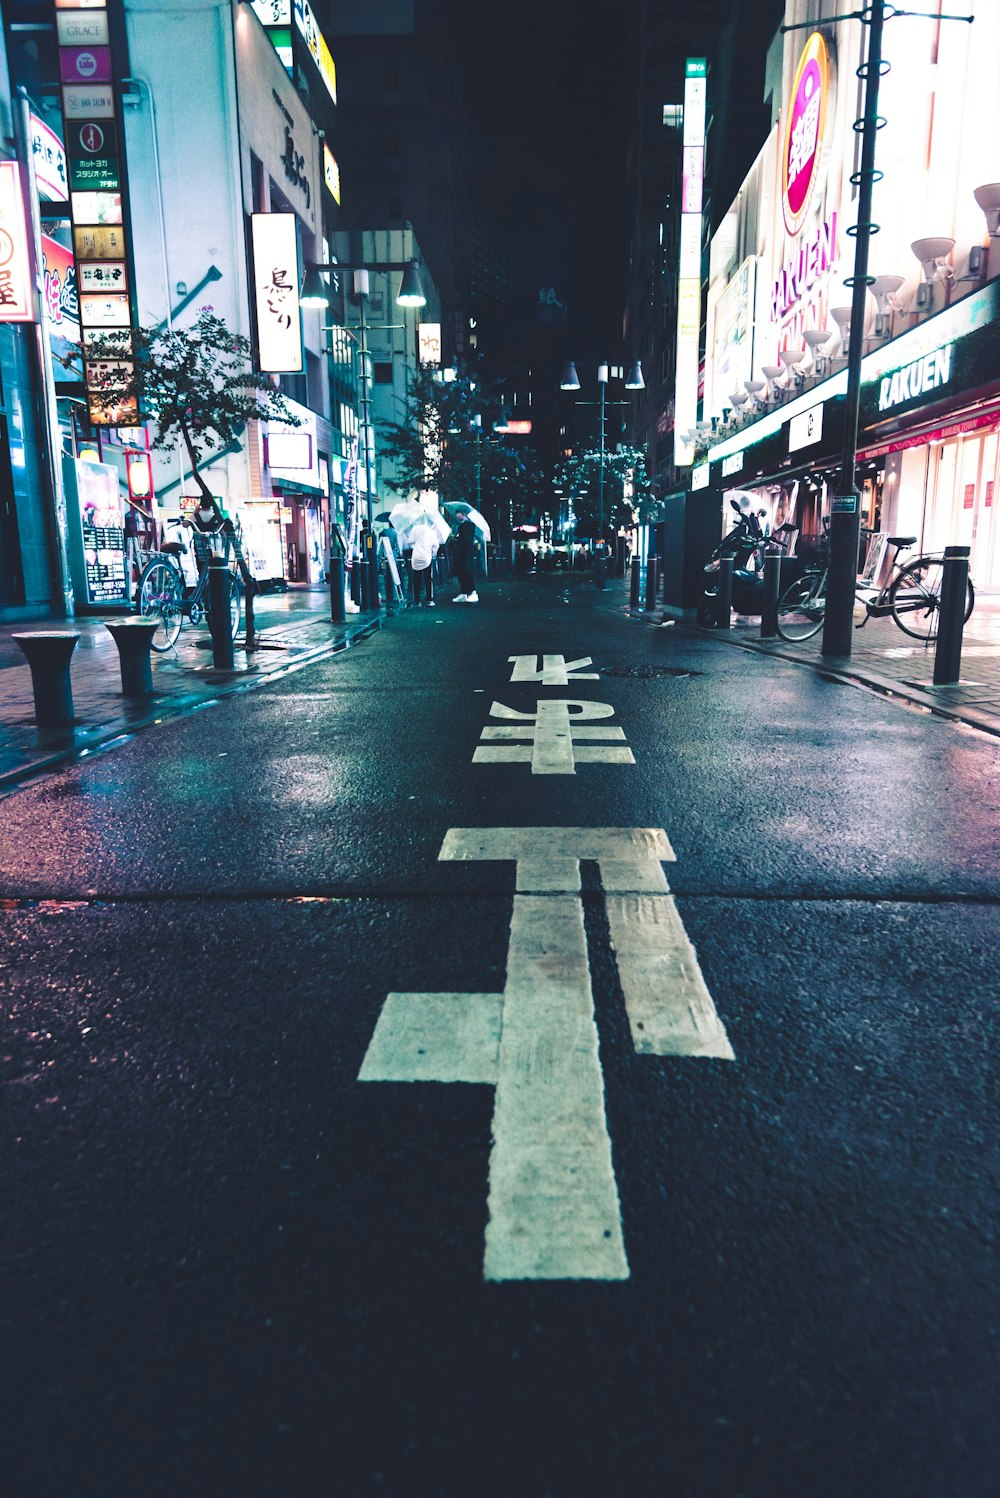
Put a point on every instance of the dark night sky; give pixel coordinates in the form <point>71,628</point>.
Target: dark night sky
<point>550,100</point>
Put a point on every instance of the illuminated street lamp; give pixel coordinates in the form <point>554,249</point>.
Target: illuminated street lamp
<point>315,293</point>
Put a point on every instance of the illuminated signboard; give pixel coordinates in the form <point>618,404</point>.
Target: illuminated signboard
<point>49,159</point>
<point>15,257</point>
<point>915,379</point>
<point>273,12</point>
<point>700,476</point>
<point>689,281</point>
<point>276,292</point>
<point>803,144</point>
<point>87,28</point>
<point>319,51</point>
<point>429,342</point>
<point>331,173</point>
<point>805,429</point>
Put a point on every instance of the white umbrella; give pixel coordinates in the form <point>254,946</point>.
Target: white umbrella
<point>429,519</point>
<point>402,516</point>
<point>469,512</point>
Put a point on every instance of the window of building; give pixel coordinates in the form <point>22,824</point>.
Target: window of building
<point>383,372</point>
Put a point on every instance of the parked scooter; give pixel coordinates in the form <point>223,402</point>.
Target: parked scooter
<point>745,543</point>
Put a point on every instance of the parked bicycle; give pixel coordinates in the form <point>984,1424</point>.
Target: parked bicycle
<point>910,596</point>
<point>165,595</point>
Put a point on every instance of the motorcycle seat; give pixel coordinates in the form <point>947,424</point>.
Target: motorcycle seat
<point>902,540</point>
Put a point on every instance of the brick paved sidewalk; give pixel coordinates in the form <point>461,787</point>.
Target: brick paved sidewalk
<point>292,629</point>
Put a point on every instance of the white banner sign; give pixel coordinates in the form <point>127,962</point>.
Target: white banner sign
<point>276,292</point>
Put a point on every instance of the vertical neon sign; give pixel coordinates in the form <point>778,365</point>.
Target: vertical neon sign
<point>689,268</point>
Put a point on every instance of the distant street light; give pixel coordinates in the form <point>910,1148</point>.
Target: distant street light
<point>571,381</point>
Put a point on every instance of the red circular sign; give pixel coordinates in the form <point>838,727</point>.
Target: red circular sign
<point>804,132</point>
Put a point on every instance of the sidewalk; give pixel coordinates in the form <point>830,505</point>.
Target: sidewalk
<point>293,629</point>
<point>887,661</point>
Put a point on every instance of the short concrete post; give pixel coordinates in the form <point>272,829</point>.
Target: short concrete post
<point>134,638</point>
<point>724,600</point>
<point>219,619</point>
<point>48,654</point>
<point>772,585</point>
<point>954,590</point>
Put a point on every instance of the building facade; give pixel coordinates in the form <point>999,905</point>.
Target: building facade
<point>778,312</point>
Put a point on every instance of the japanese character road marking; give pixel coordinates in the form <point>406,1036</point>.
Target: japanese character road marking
<point>556,670</point>
<point>553,1200</point>
<point>554,732</point>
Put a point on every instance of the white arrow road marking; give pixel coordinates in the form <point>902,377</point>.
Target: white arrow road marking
<point>555,670</point>
<point>553,1200</point>
<point>554,732</point>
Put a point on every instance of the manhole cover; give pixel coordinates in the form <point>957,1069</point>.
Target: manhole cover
<point>645,672</point>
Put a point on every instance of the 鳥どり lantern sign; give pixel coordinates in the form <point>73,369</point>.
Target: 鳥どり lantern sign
<point>803,144</point>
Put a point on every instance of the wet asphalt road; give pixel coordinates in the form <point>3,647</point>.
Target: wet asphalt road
<point>231,1268</point>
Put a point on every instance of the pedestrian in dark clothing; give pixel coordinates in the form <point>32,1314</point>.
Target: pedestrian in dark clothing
<point>465,563</point>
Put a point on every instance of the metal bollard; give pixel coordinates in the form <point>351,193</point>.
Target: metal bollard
<point>652,581</point>
<point>724,601</point>
<point>134,638</point>
<point>338,608</point>
<point>636,582</point>
<point>219,621</point>
<point>772,588</point>
<point>48,654</point>
<point>600,567</point>
<point>954,589</point>
<point>374,600</point>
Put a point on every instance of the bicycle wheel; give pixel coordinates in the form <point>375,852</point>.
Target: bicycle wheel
<point>235,594</point>
<point>161,597</point>
<point>915,598</point>
<point>801,607</point>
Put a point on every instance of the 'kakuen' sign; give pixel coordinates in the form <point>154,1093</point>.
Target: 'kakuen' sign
<point>918,378</point>
<point>804,131</point>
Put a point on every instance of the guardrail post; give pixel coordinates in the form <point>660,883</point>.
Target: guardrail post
<point>219,619</point>
<point>724,601</point>
<point>652,580</point>
<point>954,588</point>
<point>48,654</point>
<point>134,638</point>
<point>772,587</point>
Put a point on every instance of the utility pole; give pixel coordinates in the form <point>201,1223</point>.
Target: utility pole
<point>838,623</point>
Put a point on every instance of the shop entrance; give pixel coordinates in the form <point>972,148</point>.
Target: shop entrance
<point>961,507</point>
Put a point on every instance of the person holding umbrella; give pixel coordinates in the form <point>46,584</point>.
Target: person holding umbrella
<point>465,562</point>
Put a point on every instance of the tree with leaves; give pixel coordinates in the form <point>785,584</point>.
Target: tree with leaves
<point>196,384</point>
<point>441,447</point>
<point>579,477</point>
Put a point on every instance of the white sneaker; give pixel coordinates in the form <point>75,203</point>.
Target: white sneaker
<point>350,607</point>
<point>471,598</point>
<point>460,598</point>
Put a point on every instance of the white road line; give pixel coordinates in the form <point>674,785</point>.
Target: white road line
<point>553,1201</point>
<point>670,1009</point>
<point>555,670</point>
<point>554,1211</point>
<point>436,1037</point>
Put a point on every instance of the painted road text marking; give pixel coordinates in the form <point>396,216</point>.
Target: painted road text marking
<point>553,1199</point>
<point>554,731</point>
<point>555,670</point>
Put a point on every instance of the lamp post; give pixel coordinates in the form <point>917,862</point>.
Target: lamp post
<point>410,294</point>
<point>571,381</point>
